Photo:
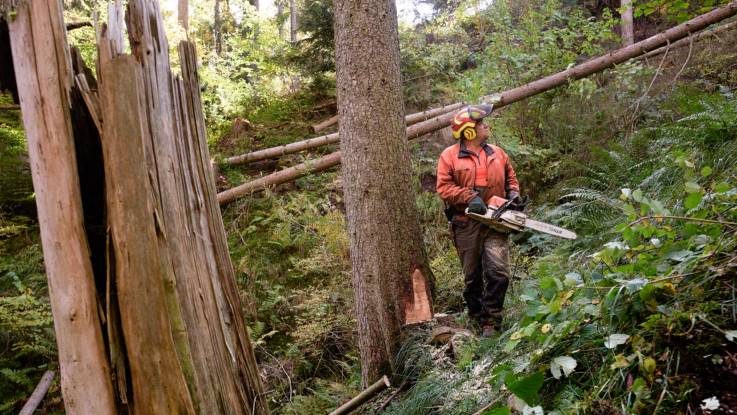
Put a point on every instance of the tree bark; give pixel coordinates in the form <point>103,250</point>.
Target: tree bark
<point>137,265</point>
<point>44,78</point>
<point>386,245</point>
<point>500,100</point>
<point>293,21</point>
<point>627,26</point>
<point>183,14</point>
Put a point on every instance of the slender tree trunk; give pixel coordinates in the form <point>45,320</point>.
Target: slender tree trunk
<point>279,15</point>
<point>217,27</point>
<point>44,76</point>
<point>183,10</point>
<point>293,21</point>
<point>385,238</point>
<point>628,28</point>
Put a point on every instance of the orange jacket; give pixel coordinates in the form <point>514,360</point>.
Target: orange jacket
<point>457,174</point>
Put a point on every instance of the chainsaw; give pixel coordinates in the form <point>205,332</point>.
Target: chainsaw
<point>500,217</point>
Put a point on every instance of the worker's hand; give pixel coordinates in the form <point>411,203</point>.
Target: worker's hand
<point>476,205</point>
<point>519,202</point>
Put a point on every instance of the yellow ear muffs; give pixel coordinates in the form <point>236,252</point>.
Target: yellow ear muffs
<point>469,134</point>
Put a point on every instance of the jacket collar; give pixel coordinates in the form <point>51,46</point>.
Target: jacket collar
<point>465,152</point>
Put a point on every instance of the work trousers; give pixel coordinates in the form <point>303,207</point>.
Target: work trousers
<point>484,255</point>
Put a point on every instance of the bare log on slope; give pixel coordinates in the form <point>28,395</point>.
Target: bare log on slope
<point>505,98</point>
<point>325,124</point>
<point>284,176</point>
<point>695,38</point>
<point>274,152</point>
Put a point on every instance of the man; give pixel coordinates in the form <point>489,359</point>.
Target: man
<point>470,173</point>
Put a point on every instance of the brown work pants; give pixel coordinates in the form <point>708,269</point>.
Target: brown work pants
<point>484,255</point>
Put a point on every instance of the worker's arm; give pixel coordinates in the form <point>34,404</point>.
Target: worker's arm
<point>447,188</point>
<point>512,185</point>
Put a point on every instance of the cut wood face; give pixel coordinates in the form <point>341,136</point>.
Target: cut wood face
<point>419,310</point>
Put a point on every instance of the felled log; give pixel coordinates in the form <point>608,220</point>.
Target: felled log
<point>533,88</point>
<point>362,397</point>
<point>323,140</point>
<point>695,38</point>
<point>38,394</point>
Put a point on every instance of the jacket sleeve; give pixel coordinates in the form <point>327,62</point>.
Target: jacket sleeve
<point>511,185</point>
<point>447,189</point>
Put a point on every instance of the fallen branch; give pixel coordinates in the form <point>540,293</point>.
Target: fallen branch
<point>582,70</point>
<point>392,396</point>
<point>325,124</point>
<point>38,394</point>
<point>362,397</point>
<point>487,406</point>
<point>11,107</point>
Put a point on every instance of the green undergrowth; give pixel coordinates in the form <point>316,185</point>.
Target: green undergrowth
<point>636,316</point>
<point>26,327</point>
<point>15,180</point>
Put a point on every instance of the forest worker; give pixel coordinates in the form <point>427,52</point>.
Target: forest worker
<point>470,173</point>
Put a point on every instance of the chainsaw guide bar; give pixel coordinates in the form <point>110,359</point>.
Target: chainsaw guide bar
<point>515,221</point>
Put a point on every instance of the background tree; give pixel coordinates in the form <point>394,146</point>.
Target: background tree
<point>628,29</point>
<point>183,13</point>
<point>293,21</point>
<point>385,237</point>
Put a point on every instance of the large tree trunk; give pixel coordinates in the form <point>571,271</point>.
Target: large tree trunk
<point>385,237</point>
<point>500,100</point>
<point>293,21</point>
<point>628,28</point>
<point>172,339</point>
<point>44,76</point>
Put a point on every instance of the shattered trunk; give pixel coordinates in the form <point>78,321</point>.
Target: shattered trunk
<point>147,313</point>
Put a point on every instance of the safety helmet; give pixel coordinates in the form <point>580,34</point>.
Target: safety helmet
<point>465,120</point>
